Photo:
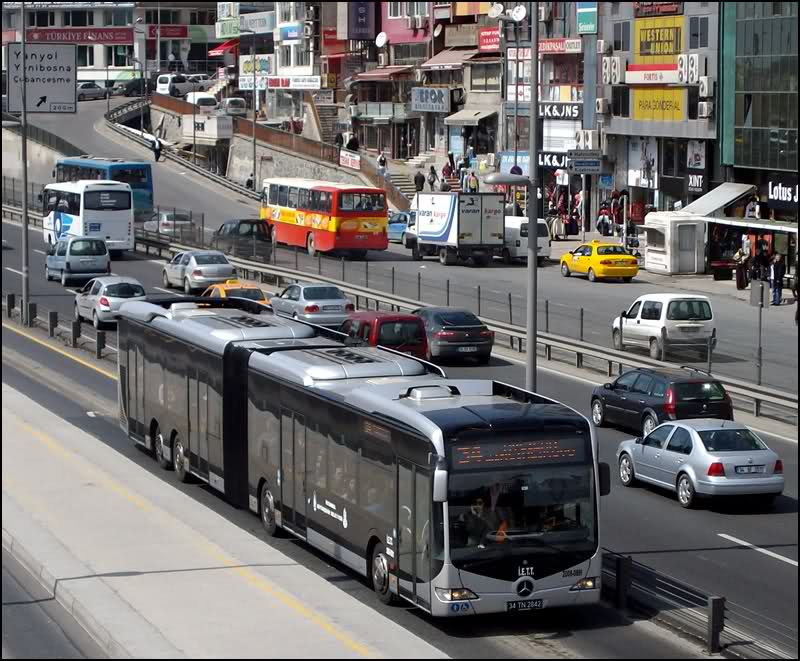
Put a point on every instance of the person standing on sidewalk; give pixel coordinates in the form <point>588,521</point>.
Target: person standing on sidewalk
<point>382,164</point>
<point>339,140</point>
<point>777,271</point>
<point>419,181</point>
<point>432,177</point>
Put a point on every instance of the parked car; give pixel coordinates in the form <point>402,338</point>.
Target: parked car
<point>89,89</point>
<point>643,398</point>
<point>197,269</point>
<point>456,333</point>
<point>703,457</point>
<point>247,236</point>
<point>599,260</point>
<point>402,332</point>
<point>398,223</point>
<point>668,321</point>
<point>174,84</point>
<point>202,81</point>
<point>236,288</point>
<point>321,304</point>
<point>234,105</point>
<point>206,103</point>
<point>133,87</point>
<point>77,258</point>
<point>177,223</point>
<point>100,298</point>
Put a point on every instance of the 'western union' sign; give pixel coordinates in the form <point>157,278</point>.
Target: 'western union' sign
<point>660,41</point>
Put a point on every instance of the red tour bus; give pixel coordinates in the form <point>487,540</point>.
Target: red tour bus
<point>325,216</point>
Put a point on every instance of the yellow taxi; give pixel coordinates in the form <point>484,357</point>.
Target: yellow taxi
<point>598,260</point>
<point>236,288</point>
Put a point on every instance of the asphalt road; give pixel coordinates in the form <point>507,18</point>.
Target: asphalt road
<point>35,625</point>
<point>394,271</point>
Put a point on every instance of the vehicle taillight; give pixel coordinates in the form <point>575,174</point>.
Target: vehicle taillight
<point>197,273</point>
<point>716,470</point>
<point>104,302</point>
<point>444,334</point>
<point>778,467</point>
<point>669,404</point>
<point>311,309</point>
<point>606,262</point>
<point>487,333</point>
<point>350,307</point>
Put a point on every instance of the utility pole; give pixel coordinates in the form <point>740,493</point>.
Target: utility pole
<point>533,198</point>
<point>24,116</point>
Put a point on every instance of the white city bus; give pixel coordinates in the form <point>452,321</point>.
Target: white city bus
<point>461,496</point>
<point>94,208</point>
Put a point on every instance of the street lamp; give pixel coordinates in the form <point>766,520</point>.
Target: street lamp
<point>143,66</point>
<point>255,98</point>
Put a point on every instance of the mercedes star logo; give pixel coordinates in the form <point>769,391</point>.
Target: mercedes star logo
<point>525,587</point>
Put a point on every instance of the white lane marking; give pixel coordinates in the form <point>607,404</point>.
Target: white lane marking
<point>169,291</point>
<point>41,252</point>
<point>756,548</point>
<point>8,268</point>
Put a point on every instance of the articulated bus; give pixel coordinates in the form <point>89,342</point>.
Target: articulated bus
<point>325,216</point>
<point>461,496</point>
<point>136,173</point>
<point>97,209</point>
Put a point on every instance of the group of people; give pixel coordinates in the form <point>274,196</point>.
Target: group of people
<point>759,267</point>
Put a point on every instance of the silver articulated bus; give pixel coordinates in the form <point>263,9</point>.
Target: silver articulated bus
<point>461,496</point>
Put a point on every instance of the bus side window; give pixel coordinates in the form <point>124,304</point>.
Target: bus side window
<point>325,202</point>
<point>273,193</point>
<point>293,198</point>
<point>283,196</point>
<point>302,200</point>
<point>313,203</point>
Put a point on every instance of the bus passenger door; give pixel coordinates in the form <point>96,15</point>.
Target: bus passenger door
<point>414,532</point>
<point>293,478</point>
<point>136,390</point>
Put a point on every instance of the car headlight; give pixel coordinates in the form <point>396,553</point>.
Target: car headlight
<point>458,594</point>
<point>589,583</point>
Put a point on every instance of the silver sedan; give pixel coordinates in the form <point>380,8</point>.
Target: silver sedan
<point>195,270</point>
<point>320,304</point>
<point>101,297</point>
<point>702,457</point>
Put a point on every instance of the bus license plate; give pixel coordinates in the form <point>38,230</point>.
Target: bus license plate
<point>749,469</point>
<point>525,605</point>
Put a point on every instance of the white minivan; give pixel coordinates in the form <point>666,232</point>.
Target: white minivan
<point>174,84</point>
<point>234,105</point>
<point>674,322</point>
<point>205,102</point>
<point>516,239</point>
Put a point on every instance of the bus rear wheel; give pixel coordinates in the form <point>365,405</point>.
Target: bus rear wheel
<point>158,449</point>
<point>379,574</point>
<point>178,460</point>
<point>268,511</point>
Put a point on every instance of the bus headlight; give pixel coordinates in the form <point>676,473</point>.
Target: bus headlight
<point>459,594</point>
<point>585,584</point>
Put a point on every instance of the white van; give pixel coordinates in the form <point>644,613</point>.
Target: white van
<point>205,102</point>
<point>516,239</point>
<point>173,84</point>
<point>234,105</point>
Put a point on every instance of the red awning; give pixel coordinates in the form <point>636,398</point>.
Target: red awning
<point>224,47</point>
<point>384,73</point>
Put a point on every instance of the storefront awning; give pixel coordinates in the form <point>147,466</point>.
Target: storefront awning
<point>756,224</point>
<point>452,58</point>
<point>383,73</point>
<point>469,116</point>
<point>719,198</point>
<point>224,48</point>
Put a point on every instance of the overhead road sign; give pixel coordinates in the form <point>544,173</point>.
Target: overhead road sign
<point>51,74</point>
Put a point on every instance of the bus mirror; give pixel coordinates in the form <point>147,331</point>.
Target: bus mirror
<point>439,485</point>
<point>605,478</point>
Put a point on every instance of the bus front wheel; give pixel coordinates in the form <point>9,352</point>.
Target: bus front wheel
<point>380,573</point>
<point>268,511</point>
<point>311,246</point>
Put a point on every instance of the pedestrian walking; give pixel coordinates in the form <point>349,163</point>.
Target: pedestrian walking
<point>250,182</point>
<point>382,162</point>
<point>432,177</point>
<point>447,170</point>
<point>741,259</point>
<point>155,145</point>
<point>777,271</point>
<point>338,140</point>
<point>473,185</point>
<point>444,186</point>
<point>419,181</point>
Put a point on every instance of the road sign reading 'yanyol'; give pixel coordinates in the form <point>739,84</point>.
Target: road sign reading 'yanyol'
<point>51,78</point>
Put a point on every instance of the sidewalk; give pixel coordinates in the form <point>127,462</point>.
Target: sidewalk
<point>151,572</point>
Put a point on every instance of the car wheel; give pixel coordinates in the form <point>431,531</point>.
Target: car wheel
<point>649,423</point>
<point>598,413</point>
<point>268,519</point>
<point>686,492</point>
<point>165,280</point>
<point>98,325</point>
<point>187,288</point>
<point>158,449</point>
<point>178,462</point>
<point>628,279</point>
<point>616,339</point>
<point>80,97</point>
<point>379,574</point>
<point>655,350</point>
<point>565,270</point>
<point>506,256</point>
<point>64,279</point>
<point>626,473</point>
<point>416,255</point>
<point>310,245</point>
<point>592,276</point>
<point>76,315</point>
<point>47,273</point>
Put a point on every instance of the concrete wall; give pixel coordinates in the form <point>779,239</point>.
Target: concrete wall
<point>41,159</point>
<point>166,125</point>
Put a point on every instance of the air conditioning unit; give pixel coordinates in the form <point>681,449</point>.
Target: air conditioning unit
<point>697,67</point>
<point>545,12</point>
<point>410,22</point>
<point>601,106</point>
<point>311,13</point>
<point>606,71</point>
<point>705,109</point>
<point>618,65</point>
<point>683,68</point>
<point>706,87</point>
<point>355,111</point>
<point>383,59</point>
<point>603,47</point>
<point>580,137</point>
<point>591,139</point>
<point>308,30</point>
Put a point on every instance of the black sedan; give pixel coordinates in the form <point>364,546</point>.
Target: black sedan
<point>454,333</point>
<point>243,236</point>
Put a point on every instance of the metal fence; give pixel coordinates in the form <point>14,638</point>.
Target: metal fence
<point>44,137</point>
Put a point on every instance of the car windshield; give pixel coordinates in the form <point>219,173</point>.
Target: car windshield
<point>398,333</point>
<point>689,310</point>
<point>246,292</point>
<point>321,293</point>
<point>611,250</point>
<point>88,247</point>
<point>458,318</point>
<point>731,440</point>
<point>694,391</point>
<point>124,290</point>
<point>210,259</point>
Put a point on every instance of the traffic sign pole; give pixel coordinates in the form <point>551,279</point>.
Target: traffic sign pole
<point>24,116</point>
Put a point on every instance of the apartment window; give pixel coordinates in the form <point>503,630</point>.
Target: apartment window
<point>486,77</point>
<point>668,164</point>
<point>119,17</point>
<point>41,19</point>
<point>396,9</point>
<point>302,56</point>
<point>694,99</point>
<point>285,59</point>
<point>9,20</point>
<point>168,16</point>
<point>286,12</point>
<point>698,32</point>
<point>418,8</point>
<point>78,19</point>
<point>410,53</point>
<point>620,101</point>
<point>85,56</point>
<point>622,36</point>
<point>203,17</point>
<point>119,56</point>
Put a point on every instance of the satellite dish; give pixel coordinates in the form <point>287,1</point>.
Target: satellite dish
<point>381,40</point>
<point>437,30</point>
<point>519,13</point>
<point>496,10</point>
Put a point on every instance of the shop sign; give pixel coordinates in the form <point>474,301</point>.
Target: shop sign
<point>294,82</point>
<point>659,41</point>
<point>263,69</point>
<point>696,182</point>
<point>560,46</point>
<point>655,9</point>
<point>324,96</point>
<point>642,162</point>
<point>549,110</point>
<point>350,159</point>
<point>552,160</point>
<point>781,191</point>
<point>587,17</point>
<point>361,20</point>
<point>227,10</point>
<point>292,32</point>
<point>605,181</point>
<point>430,99</point>
<point>261,22</point>
<point>652,74</point>
<point>696,155</point>
<point>81,35</point>
<point>227,29</point>
<point>488,39</point>
<point>168,31</point>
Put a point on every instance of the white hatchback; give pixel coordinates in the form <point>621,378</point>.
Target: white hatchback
<point>672,322</point>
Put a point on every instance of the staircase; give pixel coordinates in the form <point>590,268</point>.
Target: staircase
<point>422,160</point>
<point>455,184</point>
<point>328,117</point>
<point>403,183</point>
